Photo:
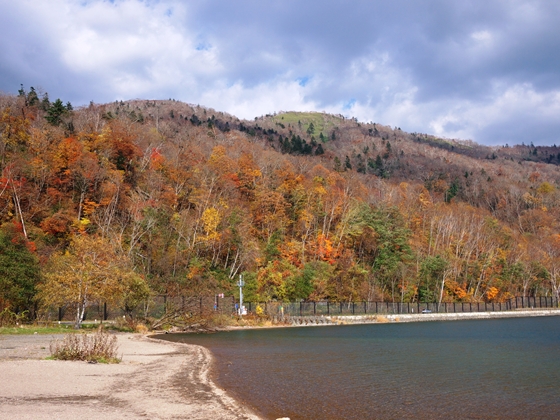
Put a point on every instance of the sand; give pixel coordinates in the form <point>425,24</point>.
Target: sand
<point>155,380</point>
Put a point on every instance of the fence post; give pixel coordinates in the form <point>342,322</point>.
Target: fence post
<point>328,308</point>
<point>314,308</point>
<point>105,311</point>
<point>59,314</point>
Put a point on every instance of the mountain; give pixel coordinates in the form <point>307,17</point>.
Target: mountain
<point>305,205</point>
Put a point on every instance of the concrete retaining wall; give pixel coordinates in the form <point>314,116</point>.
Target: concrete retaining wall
<point>369,319</point>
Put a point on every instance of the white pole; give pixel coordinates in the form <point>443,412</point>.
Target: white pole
<point>241,284</point>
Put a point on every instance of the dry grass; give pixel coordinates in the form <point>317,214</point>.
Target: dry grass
<point>141,329</point>
<point>98,347</point>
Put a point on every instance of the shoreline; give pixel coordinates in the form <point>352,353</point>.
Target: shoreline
<point>449,316</point>
<point>332,320</point>
<point>156,379</point>
<point>386,319</point>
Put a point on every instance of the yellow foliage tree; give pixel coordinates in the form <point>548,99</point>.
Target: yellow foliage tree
<point>88,271</point>
<point>492,293</point>
<point>211,220</point>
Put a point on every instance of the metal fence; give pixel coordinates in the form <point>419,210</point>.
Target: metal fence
<point>366,308</point>
<point>157,306</point>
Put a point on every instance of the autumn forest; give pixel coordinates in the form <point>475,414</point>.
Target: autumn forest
<point>123,201</point>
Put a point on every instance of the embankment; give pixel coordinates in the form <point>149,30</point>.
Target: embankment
<point>422,317</point>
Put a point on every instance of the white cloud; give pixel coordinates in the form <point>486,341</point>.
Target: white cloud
<point>511,108</point>
<point>247,103</point>
<point>447,70</point>
<point>139,47</point>
<point>482,36</point>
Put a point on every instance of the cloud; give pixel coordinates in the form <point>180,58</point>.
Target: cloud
<point>472,69</point>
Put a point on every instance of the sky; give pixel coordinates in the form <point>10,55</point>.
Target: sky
<point>487,71</point>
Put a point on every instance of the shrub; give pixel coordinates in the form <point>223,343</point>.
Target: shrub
<point>98,347</point>
<point>10,319</point>
<point>141,328</point>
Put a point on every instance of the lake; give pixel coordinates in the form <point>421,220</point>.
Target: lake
<point>475,369</point>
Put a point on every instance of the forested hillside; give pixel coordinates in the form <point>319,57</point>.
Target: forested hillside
<point>121,201</point>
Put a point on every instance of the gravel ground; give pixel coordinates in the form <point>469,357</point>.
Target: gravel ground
<point>25,347</point>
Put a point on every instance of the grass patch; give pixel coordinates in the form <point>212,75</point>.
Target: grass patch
<point>63,328</point>
<point>36,329</point>
<point>99,347</point>
<point>321,122</point>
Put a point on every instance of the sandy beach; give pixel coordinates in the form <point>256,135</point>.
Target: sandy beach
<point>155,380</point>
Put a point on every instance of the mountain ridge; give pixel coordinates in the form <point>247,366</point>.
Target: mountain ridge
<point>305,205</point>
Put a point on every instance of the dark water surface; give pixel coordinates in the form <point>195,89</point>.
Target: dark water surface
<point>483,369</point>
